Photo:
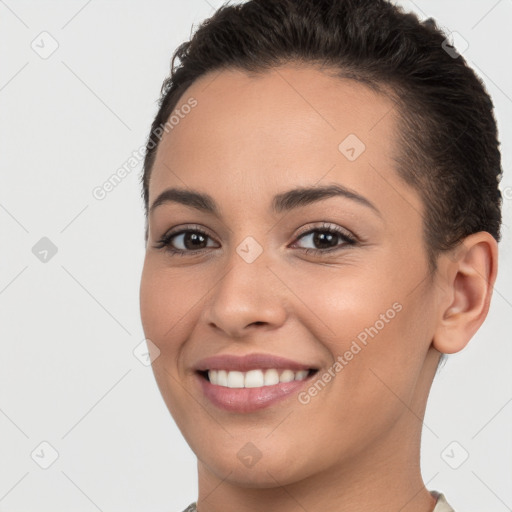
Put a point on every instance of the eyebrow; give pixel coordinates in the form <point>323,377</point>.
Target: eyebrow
<point>285,201</point>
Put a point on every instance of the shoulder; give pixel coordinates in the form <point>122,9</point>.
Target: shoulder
<point>441,504</point>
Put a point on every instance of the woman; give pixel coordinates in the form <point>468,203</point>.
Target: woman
<point>323,213</point>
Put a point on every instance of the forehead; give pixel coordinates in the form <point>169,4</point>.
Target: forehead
<point>292,124</point>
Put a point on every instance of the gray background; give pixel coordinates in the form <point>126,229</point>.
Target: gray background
<point>70,324</point>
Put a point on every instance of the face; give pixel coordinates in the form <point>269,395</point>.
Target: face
<point>330,284</point>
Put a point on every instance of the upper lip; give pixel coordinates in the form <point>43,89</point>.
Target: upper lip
<point>249,362</point>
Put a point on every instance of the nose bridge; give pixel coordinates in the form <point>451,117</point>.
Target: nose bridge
<point>247,293</point>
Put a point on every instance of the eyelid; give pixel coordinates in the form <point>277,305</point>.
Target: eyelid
<point>327,226</point>
<point>186,227</point>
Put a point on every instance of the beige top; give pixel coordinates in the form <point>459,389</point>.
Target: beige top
<point>441,504</point>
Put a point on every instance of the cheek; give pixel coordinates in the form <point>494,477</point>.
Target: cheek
<point>165,306</point>
<point>341,302</point>
<point>167,300</point>
<point>371,321</point>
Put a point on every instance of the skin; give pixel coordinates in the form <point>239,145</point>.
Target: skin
<point>355,446</point>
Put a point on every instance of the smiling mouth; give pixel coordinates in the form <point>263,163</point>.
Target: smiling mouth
<point>256,378</point>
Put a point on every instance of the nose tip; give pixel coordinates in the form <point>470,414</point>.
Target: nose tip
<point>248,296</point>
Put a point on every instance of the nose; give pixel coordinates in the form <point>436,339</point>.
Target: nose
<point>248,296</point>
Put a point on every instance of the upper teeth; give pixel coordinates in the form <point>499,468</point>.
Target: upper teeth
<point>253,378</point>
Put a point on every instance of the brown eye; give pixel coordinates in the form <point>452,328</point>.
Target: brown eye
<point>324,240</point>
<point>186,241</point>
<point>190,240</point>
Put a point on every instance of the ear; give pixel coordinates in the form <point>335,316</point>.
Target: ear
<point>467,281</point>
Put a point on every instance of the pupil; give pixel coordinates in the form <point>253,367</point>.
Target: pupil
<point>194,239</point>
<point>325,239</point>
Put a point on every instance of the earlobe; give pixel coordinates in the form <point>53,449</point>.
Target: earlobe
<point>469,278</point>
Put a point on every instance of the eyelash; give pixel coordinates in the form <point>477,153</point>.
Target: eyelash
<point>165,241</point>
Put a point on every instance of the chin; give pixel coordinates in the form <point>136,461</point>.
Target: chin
<point>250,468</point>
<point>260,476</point>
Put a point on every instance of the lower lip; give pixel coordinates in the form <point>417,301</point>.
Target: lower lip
<point>249,399</point>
